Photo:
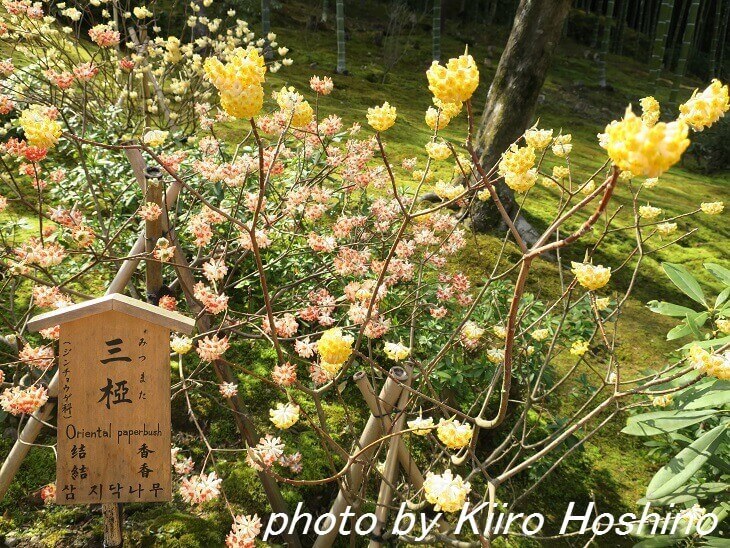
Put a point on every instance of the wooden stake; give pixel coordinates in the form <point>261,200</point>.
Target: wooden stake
<point>385,494</point>
<point>112,514</point>
<point>389,394</point>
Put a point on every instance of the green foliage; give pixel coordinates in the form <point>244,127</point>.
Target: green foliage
<point>693,437</point>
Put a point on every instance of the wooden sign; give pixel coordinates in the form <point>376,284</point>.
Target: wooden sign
<point>113,400</point>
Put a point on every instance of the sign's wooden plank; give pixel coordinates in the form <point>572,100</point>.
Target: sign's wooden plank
<point>113,411</point>
<point>115,301</point>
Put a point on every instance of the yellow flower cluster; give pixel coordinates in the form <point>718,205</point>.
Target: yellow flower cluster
<point>665,229</point>
<point>438,150</point>
<point>538,138</point>
<point>589,276</point>
<point>294,107</point>
<point>181,344</point>
<point>662,401</point>
<point>447,191</point>
<point>455,82</point>
<point>421,426</point>
<point>562,145</point>
<point>454,434</point>
<point>442,113</point>
<point>396,351</point>
<point>516,168</point>
<point>40,130</point>
<point>649,151</point>
<point>445,491</point>
<point>704,109</point>
<point>561,172</point>
<point>714,365</point>
<point>436,119</point>
<point>712,208</point>
<point>649,212</point>
<point>495,355</point>
<point>649,111</point>
<point>334,348</point>
<point>285,415</point>
<point>155,137</point>
<point>239,81</point>
<point>381,118</point>
<point>540,334</point>
<point>579,347</point>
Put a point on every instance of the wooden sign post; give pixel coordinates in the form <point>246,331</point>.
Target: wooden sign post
<point>114,400</point>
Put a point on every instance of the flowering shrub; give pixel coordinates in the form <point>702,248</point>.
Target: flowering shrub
<point>299,234</point>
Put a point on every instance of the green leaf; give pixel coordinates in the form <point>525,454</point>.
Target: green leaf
<point>685,328</point>
<point>720,272</point>
<point>689,493</point>
<point>681,277</point>
<point>712,343</point>
<point>669,309</point>
<point>717,396</point>
<point>656,542</point>
<point>693,326</point>
<point>722,297</point>
<point>661,422</point>
<point>685,464</point>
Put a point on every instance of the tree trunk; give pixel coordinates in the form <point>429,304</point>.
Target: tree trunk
<point>324,11</point>
<point>687,38</point>
<point>341,65</point>
<point>436,30</point>
<point>715,38</point>
<point>660,39</point>
<point>266,27</point>
<point>514,91</point>
<point>605,44</point>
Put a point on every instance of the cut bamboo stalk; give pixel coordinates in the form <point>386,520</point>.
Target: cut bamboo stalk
<point>404,456</point>
<point>389,395</point>
<point>390,470</point>
<point>410,468</point>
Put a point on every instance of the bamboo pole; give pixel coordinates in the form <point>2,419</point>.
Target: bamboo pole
<point>340,19</point>
<point>410,468</point>
<point>436,53</point>
<point>390,470</point>
<point>687,36</point>
<point>660,39</point>
<point>389,394</point>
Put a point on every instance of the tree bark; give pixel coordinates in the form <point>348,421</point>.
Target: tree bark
<point>514,91</point>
